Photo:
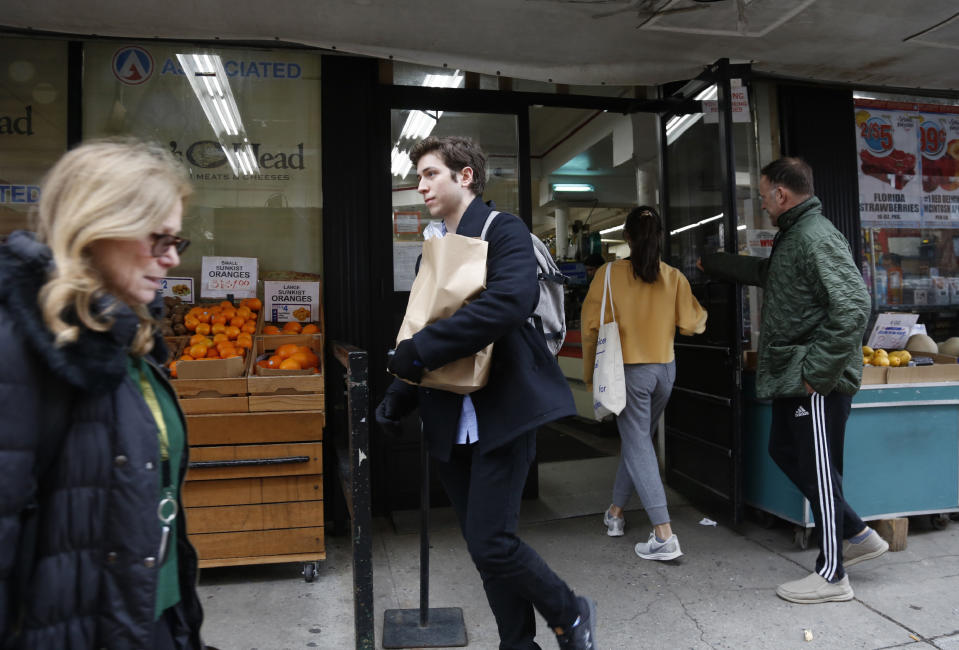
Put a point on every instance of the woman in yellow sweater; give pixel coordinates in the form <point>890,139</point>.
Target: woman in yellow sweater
<point>651,300</point>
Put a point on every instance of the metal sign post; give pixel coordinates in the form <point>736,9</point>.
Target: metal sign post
<point>439,627</point>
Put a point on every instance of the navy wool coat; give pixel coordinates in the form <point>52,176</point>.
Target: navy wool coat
<point>526,387</point>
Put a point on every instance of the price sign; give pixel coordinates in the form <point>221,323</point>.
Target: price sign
<point>889,193</point>
<point>181,288</point>
<point>296,301</point>
<point>932,138</point>
<point>222,276</point>
<point>892,330</point>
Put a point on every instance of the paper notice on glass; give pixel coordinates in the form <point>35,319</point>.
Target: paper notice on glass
<point>710,111</point>
<point>740,106</point>
<point>760,242</point>
<point>406,222</point>
<point>405,254</point>
<point>740,102</point>
<point>892,330</point>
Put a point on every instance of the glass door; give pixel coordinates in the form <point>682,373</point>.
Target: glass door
<point>710,182</point>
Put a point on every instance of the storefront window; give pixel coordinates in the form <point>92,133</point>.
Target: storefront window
<point>33,122</point>
<point>253,150</point>
<point>908,161</point>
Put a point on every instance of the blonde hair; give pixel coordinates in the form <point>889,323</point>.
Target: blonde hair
<point>107,189</point>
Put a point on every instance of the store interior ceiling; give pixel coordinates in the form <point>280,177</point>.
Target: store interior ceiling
<point>614,43</point>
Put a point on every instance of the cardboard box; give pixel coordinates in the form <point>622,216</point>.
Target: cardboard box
<point>873,375</point>
<point>944,368</point>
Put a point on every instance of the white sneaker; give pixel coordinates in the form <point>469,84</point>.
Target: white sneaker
<point>815,589</point>
<point>871,547</point>
<point>615,526</point>
<point>656,550</point>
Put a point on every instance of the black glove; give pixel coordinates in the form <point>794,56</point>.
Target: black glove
<point>400,399</point>
<point>406,363</point>
<point>390,426</point>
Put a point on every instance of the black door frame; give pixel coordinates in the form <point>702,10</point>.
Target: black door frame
<point>504,102</point>
<point>731,351</point>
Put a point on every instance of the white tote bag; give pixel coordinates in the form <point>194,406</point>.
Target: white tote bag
<point>609,380</point>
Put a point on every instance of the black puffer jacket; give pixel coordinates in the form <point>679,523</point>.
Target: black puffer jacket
<point>91,576</point>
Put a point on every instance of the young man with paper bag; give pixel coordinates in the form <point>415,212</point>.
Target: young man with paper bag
<point>484,442</point>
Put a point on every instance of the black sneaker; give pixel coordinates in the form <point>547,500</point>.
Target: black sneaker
<point>582,635</point>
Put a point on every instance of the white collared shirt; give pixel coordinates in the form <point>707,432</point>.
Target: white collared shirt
<point>468,431</point>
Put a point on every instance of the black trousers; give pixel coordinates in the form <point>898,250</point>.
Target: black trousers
<point>485,490</point>
<point>806,441</point>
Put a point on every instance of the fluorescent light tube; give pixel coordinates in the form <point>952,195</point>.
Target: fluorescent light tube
<point>697,224</point>
<point>572,187</point>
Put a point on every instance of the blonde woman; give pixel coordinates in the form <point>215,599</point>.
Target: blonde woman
<point>93,444</point>
<point>651,299</point>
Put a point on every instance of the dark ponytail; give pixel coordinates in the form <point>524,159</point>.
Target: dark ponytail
<point>645,230</point>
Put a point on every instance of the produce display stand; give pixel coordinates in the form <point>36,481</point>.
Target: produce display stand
<point>901,453</point>
<point>254,488</point>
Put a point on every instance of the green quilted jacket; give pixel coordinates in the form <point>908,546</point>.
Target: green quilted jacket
<point>815,306</point>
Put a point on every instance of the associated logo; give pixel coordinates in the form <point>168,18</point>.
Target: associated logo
<point>132,65</point>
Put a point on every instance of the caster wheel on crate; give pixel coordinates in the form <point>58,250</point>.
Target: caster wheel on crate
<point>939,522</point>
<point>309,571</point>
<point>801,536</point>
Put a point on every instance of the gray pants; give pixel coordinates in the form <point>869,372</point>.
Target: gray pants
<point>648,386</point>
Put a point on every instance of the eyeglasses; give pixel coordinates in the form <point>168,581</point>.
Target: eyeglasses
<point>161,244</point>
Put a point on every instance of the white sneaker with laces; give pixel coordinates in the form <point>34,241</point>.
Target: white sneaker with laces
<point>656,550</point>
<point>615,526</point>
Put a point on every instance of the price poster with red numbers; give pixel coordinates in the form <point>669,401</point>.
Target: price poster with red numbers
<point>223,276</point>
<point>908,164</point>
<point>939,145</point>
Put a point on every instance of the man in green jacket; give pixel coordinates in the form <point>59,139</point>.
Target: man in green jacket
<point>814,313</point>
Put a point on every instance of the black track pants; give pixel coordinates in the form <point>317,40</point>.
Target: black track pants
<point>806,441</point>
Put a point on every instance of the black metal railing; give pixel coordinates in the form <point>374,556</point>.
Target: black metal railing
<point>351,440</point>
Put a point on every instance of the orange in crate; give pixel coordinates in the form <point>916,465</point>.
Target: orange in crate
<point>286,350</point>
<point>290,364</point>
<point>305,357</point>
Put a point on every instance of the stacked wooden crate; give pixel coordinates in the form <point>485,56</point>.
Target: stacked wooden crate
<point>254,491</point>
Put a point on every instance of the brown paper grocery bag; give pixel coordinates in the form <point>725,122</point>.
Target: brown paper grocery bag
<point>452,273</point>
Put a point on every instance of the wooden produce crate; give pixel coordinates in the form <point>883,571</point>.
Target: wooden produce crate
<point>254,490</point>
<point>285,390</point>
<point>213,386</point>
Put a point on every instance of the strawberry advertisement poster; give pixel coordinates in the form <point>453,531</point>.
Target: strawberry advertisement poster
<point>908,164</point>
<point>890,184</point>
<point>939,147</point>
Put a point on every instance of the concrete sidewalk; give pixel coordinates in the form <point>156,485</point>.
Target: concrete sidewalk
<point>720,594</point>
